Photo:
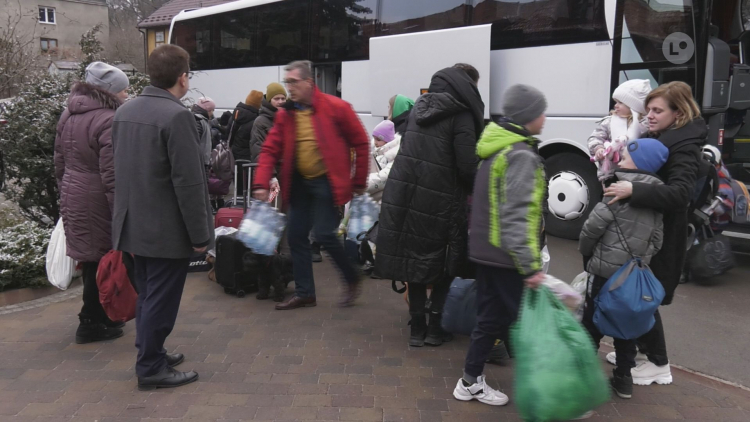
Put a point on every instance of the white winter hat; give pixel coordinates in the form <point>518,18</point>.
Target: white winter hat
<point>633,94</point>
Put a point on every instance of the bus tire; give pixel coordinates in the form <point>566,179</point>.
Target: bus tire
<point>574,191</point>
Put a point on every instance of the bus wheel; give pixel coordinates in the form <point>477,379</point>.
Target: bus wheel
<point>573,191</point>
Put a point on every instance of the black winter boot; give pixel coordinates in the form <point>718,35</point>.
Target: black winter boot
<point>435,334</point>
<point>418,329</point>
<point>90,331</point>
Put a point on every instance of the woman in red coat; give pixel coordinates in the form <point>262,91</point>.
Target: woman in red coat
<point>85,173</point>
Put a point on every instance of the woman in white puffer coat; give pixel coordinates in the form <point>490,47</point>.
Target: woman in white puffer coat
<point>387,143</point>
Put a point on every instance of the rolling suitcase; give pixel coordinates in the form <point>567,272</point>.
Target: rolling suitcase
<point>231,216</point>
<point>229,267</point>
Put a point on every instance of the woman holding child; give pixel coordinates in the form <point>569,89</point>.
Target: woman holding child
<point>674,119</point>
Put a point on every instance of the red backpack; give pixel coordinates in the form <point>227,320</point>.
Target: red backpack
<point>116,292</point>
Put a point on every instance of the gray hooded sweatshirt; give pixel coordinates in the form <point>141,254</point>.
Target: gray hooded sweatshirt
<point>641,228</point>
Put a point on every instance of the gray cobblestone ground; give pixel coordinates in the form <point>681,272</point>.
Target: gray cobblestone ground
<point>255,363</point>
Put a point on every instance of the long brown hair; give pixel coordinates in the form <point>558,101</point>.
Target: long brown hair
<point>679,98</point>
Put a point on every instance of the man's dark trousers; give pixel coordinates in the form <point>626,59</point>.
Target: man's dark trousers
<point>160,284</point>
<point>312,207</point>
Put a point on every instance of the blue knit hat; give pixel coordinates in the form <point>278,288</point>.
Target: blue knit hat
<point>648,154</point>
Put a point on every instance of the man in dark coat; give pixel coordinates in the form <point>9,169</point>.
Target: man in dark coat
<point>161,211</point>
<point>423,229</point>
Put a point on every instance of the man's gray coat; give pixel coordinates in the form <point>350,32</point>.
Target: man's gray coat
<point>161,209</point>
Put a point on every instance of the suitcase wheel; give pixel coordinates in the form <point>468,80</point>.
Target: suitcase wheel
<point>240,293</point>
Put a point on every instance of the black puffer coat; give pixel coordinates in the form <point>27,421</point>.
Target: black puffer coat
<point>423,226</point>
<point>261,127</point>
<point>400,122</point>
<point>673,199</point>
<point>241,126</point>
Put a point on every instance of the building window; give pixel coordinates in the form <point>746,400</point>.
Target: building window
<point>159,36</point>
<point>48,44</point>
<point>46,14</point>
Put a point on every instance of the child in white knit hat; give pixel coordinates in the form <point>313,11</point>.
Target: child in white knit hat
<point>625,123</point>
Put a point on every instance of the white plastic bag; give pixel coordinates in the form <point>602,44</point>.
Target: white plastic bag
<point>545,259</point>
<point>580,284</point>
<point>262,227</point>
<point>567,295</point>
<point>364,213</point>
<point>60,267</point>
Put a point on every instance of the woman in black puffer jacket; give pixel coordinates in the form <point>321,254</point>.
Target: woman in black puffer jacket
<point>674,117</point>
<point>423,228</point>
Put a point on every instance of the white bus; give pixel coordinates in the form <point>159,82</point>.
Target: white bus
<point>575,51</point>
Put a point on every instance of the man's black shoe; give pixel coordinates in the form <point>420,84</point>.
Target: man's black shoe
<point>175,359</point>
<point>167,378</point>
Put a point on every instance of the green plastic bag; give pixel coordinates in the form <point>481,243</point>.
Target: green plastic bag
<point>557,373</point>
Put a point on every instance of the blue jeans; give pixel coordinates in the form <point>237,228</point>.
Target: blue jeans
<point>312,208</point>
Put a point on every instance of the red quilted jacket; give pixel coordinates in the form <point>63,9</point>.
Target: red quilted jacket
<point>338,130</point>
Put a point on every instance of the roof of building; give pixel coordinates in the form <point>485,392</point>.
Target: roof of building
<point>65,64</point>
<point>163,15</point>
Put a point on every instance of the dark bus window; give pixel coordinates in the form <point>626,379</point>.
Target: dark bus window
<point>194,35</point>
<point>542,22</point>
<point>342,29</point>
<point>283,32</point>
<point>647,24</point>
<point>402,16</point>
<point>236,39</point>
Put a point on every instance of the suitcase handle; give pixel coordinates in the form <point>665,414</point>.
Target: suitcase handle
<point>247,166</point>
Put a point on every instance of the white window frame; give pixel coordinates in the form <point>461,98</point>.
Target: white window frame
<point>46,15</point>
<point>158,43</point>
<point>41,40</point>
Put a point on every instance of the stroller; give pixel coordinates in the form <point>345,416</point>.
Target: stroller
<point>709,253</point>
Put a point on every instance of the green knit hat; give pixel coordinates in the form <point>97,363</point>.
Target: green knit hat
<point>401,105</point>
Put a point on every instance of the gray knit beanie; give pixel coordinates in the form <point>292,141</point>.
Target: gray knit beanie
<point>523,103</point>
<point>106,77</point>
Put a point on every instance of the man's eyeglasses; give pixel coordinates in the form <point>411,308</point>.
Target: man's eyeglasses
<point>292,81</point>
<point>190,74</point>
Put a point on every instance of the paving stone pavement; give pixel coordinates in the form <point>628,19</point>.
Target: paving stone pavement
<point>255,363</point>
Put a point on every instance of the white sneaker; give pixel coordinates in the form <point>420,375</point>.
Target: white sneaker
<point>479,391</point>
<point>647,373</point>
<point>586,415</point>
<point>639,357</point>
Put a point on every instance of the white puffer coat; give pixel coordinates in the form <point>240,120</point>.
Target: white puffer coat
<point>382,162</point>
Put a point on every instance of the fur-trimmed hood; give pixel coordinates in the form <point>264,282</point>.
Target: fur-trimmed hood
<point>86,97</point>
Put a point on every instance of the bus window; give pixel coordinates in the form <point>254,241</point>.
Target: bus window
<point>237,40</point>
<point>342,29</point>
<point>402,17</point>
<point>647,24</point>
<point>543,22</point>
<point>283,32</point>
<point>195,37</point>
